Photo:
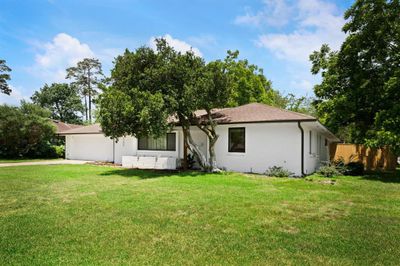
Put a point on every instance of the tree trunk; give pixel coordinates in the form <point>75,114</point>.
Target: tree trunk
<point>209,130</point>
<point>193,147</point>
<point>86,109</point>
<point>90,98</point>
<point>90,108</point>
<point>185,151</point>
<point>213,158</point>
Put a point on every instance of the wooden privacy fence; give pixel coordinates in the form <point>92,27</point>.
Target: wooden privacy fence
<point>373,159</point>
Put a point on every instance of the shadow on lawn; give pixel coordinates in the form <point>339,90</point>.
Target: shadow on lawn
<point>147,174</point>
<point>386,177</point>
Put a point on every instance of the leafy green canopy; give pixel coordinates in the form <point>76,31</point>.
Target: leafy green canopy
<point>62,100</point>
<point>25,131</point>
<point>249,83</point>
<point>147,88</point>
<point>360,89</point>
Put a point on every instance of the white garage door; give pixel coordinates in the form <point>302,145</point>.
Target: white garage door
<point>94,147</point>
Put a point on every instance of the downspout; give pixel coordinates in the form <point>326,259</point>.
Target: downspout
<point>113,151</point>
<point>302,148</point>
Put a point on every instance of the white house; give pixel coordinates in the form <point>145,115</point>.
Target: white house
<point>252,138</point>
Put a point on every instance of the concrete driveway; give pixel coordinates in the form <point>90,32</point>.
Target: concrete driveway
<point>50,162</point>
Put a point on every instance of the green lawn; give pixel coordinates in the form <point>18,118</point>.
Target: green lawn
<point>25,160</point>
<point>67,214</point>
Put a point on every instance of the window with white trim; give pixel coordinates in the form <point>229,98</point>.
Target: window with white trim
<point>164,143</point>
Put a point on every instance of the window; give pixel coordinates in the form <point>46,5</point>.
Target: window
<point>165,143</point>
<point>237,137</point>
<point>310,142</point>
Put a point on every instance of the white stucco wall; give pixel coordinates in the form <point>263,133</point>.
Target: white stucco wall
<point>125,146</point>
<point>267,144</point>
<point>97,147</point>
<point>318,153</point>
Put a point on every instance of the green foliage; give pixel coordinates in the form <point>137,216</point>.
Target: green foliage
<point>87,76</point>
<point>360,84</point>
<point>278,171</point>
<point>354,169</point>
<point>62,100</point>
<point>248,83</point>
<point>4,77</point>
<point>301,104</point>
<point>25,131</point>
<point>59,150</point>
<point>328,171</point>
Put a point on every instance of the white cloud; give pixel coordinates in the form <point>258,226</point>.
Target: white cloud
<point>179,45</point>
<point>55,56</point>
<point>273,13</point>
<point>315,22</point>
<point>14,98</point>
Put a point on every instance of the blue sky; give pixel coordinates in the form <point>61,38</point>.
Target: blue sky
<point>40,39</point>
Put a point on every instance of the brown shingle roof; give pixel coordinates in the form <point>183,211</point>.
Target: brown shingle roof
<point>249,113</point>
<point>61,126</point>
<point>90,129</point>
<point>257,112</point>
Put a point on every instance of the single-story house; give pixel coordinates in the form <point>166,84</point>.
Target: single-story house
<point>252,138</point>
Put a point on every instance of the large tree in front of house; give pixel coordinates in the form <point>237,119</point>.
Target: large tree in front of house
<point>148,88</point>
<point>4,77</point>
<point>360,89</point>
<point>62,100</point>
<point>87,75</point>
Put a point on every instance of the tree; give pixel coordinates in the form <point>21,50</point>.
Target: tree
<point>300,104</point>
<point>4,76</point>
<point>248,82</point>
<point>360,84</point>
<point>148,88</point>
<point>25,131</point>
<point>87,75</point>
<point>62,100</point>
<point>213,90</point>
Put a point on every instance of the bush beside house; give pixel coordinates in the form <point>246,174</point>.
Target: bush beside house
<point>27,132</point>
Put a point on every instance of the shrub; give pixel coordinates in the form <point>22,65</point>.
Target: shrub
<point>354,168</point>
<point>278,171</point>
<point>339,165</point>
<point>60,150</point>
<point>328,171</point>
<point>25,131</point>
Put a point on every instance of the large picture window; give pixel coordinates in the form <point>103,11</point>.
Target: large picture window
<point>237,139</point>
<point>164,143</point>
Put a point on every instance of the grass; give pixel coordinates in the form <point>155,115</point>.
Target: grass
<point>26,160</point>
<point>70,214</point>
